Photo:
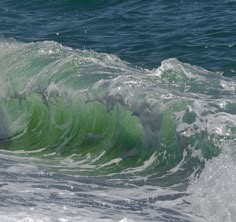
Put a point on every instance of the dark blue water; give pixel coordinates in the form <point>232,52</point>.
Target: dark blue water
<point>141,32</point>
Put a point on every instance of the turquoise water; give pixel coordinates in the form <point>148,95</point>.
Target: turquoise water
<point>117,111</point>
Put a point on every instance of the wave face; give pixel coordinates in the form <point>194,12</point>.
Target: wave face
<point>109,116</point>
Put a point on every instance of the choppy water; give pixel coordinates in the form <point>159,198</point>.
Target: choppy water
<point>117,111</point>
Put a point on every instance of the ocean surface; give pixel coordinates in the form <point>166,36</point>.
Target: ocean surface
<point>117,110</point>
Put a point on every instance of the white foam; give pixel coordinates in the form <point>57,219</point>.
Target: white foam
<point>34,217</point>
<point>173,64</point>
<point>214,192</point>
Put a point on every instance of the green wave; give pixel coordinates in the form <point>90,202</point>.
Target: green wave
<point>57,102</point>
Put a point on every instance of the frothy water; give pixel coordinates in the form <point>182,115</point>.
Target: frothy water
<point>213,193</point>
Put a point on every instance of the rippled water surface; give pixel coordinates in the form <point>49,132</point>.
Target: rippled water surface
<point>144,33</point>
